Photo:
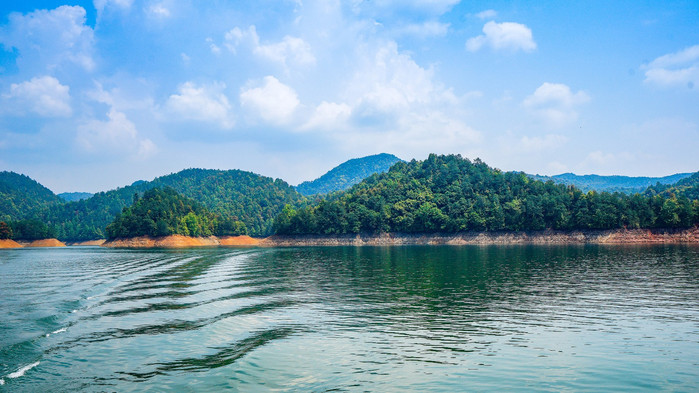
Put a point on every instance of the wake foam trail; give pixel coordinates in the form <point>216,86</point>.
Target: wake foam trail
<point>22,370</point>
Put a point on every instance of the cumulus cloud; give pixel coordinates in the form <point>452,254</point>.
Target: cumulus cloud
<point>47,39</point>
<point>503,36</point>
<point>555,104</point>
<point>116,135</point>
<point>202,103</point>
<point>272,101</point>
<point>675,69</point>
<point>401,105</point>
<point>290,50</point>
<point>44,95</point>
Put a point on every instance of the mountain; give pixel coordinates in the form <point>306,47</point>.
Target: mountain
<point>687,188</point>
<point>625,184</point>
<point>233,195</point>
<point>454,194</point>
<point>20,196</point>
<point>75,196</point>
<point>348,174</point>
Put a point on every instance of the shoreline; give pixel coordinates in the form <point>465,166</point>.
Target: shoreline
<point>549,237</point>
<point>8,243</point>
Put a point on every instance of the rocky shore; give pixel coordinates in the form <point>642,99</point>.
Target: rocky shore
<point>619,236</point>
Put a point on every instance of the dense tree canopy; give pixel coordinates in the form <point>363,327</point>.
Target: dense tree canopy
<point>21,197</point>
<point>685,188</point>
<point>162,212</point>
<point>236,197</point>
<point>451,194</point>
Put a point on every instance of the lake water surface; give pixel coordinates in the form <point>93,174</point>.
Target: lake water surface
<point>516,318</point>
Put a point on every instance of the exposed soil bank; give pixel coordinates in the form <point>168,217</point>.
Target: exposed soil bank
<point>9,243</point>
<point>97,242</point>
<point>179,241</point>
<point>42,243</point>
<point>621,236</point>
<point>238,241</point>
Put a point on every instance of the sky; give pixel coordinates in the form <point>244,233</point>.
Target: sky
<point>95,95</point>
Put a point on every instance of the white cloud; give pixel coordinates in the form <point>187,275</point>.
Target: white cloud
<point>273,101</point>
<point>487,14</point>
<point>202,103</point>
<point>675,69</point>
<point>555,103</point>
<point>290,49</point>
<point>329,116</point>
<point>398,106</point>
<point>503,36</point>
<point>47,39</point>
<point>531,144</point>
<point>44,95</point>
<point>116,135</point>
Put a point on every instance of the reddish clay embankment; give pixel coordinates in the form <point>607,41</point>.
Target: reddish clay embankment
<point>620,236</point>
<point>42,243</point>
<point>180,241</point>
<point>9,243</point>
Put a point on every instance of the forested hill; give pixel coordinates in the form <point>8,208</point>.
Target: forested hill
<point>232,194</point>
<point>452,194</point>
<point>348,174</point>
<point>625,184</point>
<point>687,187</point>
<point>20,196</point>
<point>163,212</point>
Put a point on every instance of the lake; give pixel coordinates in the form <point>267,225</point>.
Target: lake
<point>432,318</point>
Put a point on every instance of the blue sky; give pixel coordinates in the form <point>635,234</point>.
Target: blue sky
<point>98,94</point>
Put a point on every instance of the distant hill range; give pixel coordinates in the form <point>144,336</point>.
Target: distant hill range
<point>75,196</point>
<point>348,174</point>
<point>625,184</point>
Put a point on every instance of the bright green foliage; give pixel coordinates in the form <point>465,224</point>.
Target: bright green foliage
<point>162,212</point>
<point>21,196</point>
<point>687,188</point>
<point>348,174</point>
<point>244,202</point>
<point>452,194</point>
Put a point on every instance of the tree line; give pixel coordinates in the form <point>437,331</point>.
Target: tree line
<point>453,194</point>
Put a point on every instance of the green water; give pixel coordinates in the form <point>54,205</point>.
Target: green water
<point>350,319</point>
